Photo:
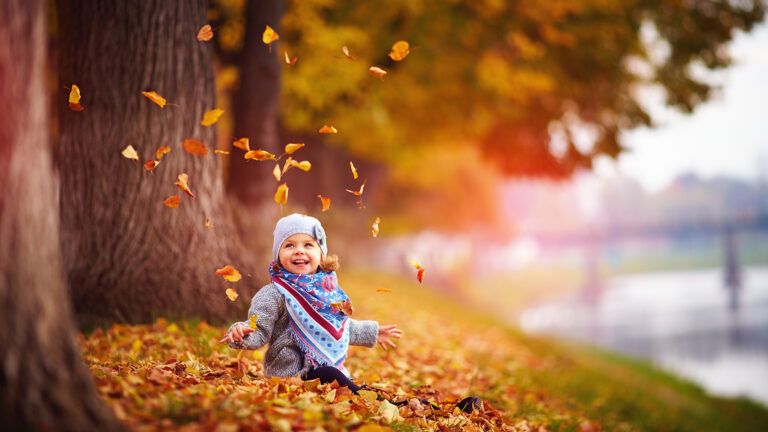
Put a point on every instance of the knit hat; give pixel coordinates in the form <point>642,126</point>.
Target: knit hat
<point>298,224</point>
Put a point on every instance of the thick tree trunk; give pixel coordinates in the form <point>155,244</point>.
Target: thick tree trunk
<point>256,103</point>
<point>128,257</point>
<point>43,382</point>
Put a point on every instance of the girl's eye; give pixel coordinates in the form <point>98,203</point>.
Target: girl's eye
<point>288,245</point>
<point>309,245</point>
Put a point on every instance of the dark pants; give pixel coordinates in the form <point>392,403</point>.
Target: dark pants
<point>329,374</point>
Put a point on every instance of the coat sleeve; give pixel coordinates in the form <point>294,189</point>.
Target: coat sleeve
<point>266,305</point>
<point>363,333</point>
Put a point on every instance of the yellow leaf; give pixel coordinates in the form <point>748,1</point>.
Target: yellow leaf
<point>328,130</point>
<point>269,35</point>
<point>375,227</point>
<point>354,170</point>
<point>345,50</point>
<point>221,152</point>
<point>194,147</point>
<point>277,173</point>
<point>242,144</point>
<point>377,72</point>
<point>383,290</point>
<point>358,192</point>
<point>325,202</point>
<point>259,155</point>
<point>281,196</point>
<point>290,61</point>
<point>252,321</point>
<point>368,395</point>
<point>231,294</point>
<point>173,201</point>
<point>211,117</point>
<point>130,153</point>
<point>162,151</point>
<point>292,147</point>
<point>74,99</point>
<point>156,98</point>
<point>208,223</point>
<point>183,184</point>
<point>229,273</point>
<point>205,34</point>
<point>303,165</point>
<point>400,50</point>
<point>389,412</point>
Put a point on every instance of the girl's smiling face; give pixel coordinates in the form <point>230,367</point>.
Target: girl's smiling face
<point>300,254</point>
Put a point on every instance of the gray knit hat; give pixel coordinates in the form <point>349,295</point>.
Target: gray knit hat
<point>298,224</point>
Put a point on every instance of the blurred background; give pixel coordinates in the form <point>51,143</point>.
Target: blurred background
<point>592,170</point>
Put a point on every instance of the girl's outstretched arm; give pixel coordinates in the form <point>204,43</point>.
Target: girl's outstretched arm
<point>387,333</point>
<point>266,307</point>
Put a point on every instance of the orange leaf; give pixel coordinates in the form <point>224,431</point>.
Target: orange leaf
<point>375,227</point>
<point>194,147</point>
<point>383,290</point>
<point>151,164</point>
<point>354,170</point>
<point>173,201</point>
<point>325,201</point>
<point>259,155</point>
<point>242,144</point>
<point>205,34</point>
<point>183,184</point>
<point>277,173</point>
<point>231,294</point>
<point>130,153</point>
<point>208,223</point>
<point>156,98</point>
<point>377,72</point>
<point>292,147</point>
<point>229,273</point>
<point>74,99</point>
<point>221,152</point>
<point>359,192</point>
<point>345,50</point>
<point>211,117</point>
<point>344,306</point>
<point>162,151</point>
<point>281,196</point>
<point>290,61</point>
<point>400,50</point>
<point>328,130</point>
<point>269,35</point>
<point>420,274</point>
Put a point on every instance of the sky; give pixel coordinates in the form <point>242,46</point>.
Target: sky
<point>728,135</point>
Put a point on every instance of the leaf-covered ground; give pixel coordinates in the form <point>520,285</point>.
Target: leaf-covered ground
<point>177,376</point>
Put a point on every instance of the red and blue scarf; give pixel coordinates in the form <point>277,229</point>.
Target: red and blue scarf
<point>319,328</point>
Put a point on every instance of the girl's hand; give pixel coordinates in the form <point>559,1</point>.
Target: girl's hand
<point>387,333</point>
<point>237,334</point>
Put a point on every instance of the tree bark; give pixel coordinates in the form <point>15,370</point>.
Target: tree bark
<point>256,103</point>
<point>43,383</point>
<point>128,257</point>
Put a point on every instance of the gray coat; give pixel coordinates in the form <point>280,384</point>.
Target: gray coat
<point>284,357</point>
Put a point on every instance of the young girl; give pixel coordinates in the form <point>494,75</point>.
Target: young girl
<point>303,313</point>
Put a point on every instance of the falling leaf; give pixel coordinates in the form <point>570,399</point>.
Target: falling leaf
<point>173,201</point>
<point>420,274</point>
<point>211,117</point>
<point>269,35</point>
<point>345,50</point>
<point>229,273</point>
<point>252,321</point>
<point>354,170</point>
<point>375,227</point>
<point>344,306</point>
<point>359,192</point>
<point>325,202</point>
<point>259,155</point>
<point>277,173</point>
<point>292,147</point>
<point>74,99</point>
<point>205,34</point>
<point>221,152</point>
<point>290,61</point>
<point>183,184</point>
<point>231,294</point>
<point>156,98</point>
<point>400,50</point>
<point>208,223</point>
<point>162,151</point>
<point>383,290</point>
<point>151,164</point>
<point>194,147</point>
<point>303,165</point>
<point>130,153</point>
<point>415,264</point>
<point>242,144</point>
<point>281,196</point>
<point>328,130</point>
<point>377,72</point>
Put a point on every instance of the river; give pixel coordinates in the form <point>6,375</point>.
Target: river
<point>683,321</point>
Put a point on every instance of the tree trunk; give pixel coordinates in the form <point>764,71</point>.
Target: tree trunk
<point>43,382</point>
<point>256,103</point>
<point>128,257</point>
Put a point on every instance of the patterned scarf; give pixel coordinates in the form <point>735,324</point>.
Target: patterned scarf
<point>318,328</point>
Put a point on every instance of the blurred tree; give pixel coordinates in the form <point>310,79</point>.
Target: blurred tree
<point>128,257</point>
<point>43,383</point>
